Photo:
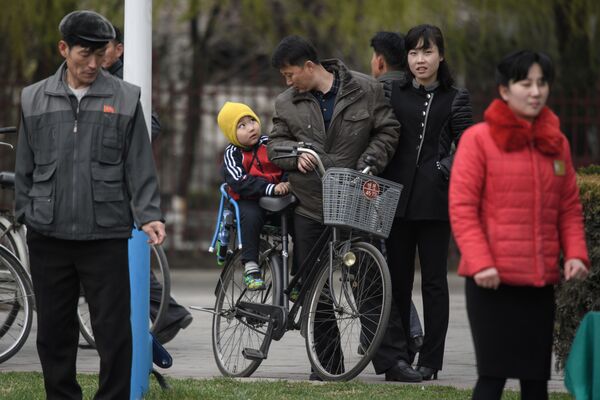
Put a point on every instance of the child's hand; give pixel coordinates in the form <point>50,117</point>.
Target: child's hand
<point>282,188</point>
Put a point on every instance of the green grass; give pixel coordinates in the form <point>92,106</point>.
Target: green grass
<point>28,386</point>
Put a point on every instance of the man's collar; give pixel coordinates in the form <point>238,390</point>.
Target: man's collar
<point>116,69</point>
<point>347,83</point>
<point>335,86</point>
<point>55,85</point>
<point>392,75</point>
<point>65,79</point>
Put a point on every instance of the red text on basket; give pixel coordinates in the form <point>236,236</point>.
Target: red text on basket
<point>371,189</point>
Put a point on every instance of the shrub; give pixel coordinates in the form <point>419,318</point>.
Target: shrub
<point>589,170</point>
<point>575,298</point>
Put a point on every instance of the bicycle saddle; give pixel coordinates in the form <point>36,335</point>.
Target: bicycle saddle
<point>277,204</point>
<point>7,179</point>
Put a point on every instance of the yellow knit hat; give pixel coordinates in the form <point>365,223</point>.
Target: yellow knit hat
<point>228,119</point>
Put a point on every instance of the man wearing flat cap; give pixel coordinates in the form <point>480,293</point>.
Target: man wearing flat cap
<point>84,176</point>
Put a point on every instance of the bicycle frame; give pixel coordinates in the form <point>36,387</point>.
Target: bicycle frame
<point>343,278</point>
<point>294,152</point>
<point>225,197</point>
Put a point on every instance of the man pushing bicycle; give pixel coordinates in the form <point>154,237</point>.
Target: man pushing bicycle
<point>345,116</point>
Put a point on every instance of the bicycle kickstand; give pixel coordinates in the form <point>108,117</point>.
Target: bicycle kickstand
<point>162,382</point>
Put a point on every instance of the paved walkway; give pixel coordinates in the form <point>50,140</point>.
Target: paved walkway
<point>193,357</point>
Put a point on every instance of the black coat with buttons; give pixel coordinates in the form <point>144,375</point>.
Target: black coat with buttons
<point>432,120</point>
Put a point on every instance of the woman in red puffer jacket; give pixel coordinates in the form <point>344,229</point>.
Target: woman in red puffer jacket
<point>514,205</point>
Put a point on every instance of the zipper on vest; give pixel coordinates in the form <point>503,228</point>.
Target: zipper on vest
<point>76,117</point>
<point>75,170</point>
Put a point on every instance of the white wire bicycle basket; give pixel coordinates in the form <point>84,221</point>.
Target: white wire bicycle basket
<point>355,200</point>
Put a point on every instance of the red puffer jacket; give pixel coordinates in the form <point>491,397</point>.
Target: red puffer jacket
<point>513,200</point>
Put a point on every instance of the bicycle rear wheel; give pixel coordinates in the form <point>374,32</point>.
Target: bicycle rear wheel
<point>356,319</point>
<point>159,267</point>
<point>232,332</point>
<point>16,305</point>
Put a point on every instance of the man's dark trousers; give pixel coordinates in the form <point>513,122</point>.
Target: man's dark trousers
<point>57,268</point>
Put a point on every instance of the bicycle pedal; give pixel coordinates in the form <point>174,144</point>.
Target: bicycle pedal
<point>253,354</point>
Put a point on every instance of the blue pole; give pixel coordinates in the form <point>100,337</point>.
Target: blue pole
<point>139,278</point>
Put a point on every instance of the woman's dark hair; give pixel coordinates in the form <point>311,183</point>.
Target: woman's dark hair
<point>294,50</point>
<point>515,66</point>
<point>431,35</point>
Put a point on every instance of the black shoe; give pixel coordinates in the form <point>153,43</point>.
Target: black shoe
<point>428,374</point>
<point>415,344</point>
<point>402,372</point>
<point>314,377</point>
<point>167,333</point>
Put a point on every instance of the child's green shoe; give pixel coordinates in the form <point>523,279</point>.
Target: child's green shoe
<point>253,281</point>
<point>294,294</point>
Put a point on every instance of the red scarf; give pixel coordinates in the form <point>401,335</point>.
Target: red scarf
<point>512,133</point>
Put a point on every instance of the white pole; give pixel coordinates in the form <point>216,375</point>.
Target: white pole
<point>138,50</point>
<point>138,70</point>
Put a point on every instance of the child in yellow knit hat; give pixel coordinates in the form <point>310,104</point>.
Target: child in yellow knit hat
<point>249,175</point>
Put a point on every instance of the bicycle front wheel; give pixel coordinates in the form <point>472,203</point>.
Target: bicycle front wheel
<point>347,313</point>
<point>233,332</point>
<point>159,268</point>
<point>16,305</point>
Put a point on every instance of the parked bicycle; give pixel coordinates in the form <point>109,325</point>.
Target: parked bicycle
<point>16,291</point>
<point>343,298</point>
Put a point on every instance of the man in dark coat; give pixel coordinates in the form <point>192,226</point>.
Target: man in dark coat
<point>346,117</point>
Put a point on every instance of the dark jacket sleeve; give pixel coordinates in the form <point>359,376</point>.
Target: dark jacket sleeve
<point>461,117</point>
<point>238,179</point>
<point>140,173</point>
<point>23,172</point>
<point>156,128</point>
<point>385,133</point>
<point>281,136</point>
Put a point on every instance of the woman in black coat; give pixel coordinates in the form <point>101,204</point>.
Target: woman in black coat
<point>433,114</point>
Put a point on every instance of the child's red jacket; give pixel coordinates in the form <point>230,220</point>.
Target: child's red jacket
<point>249,173</point>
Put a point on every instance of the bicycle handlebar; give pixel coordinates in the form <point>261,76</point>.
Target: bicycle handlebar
<point>294,151</point>
<point>8,129</point>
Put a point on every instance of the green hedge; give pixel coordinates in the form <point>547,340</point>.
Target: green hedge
<point>574,299</point>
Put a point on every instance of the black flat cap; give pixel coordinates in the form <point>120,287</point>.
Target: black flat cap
<point>87,25</point>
